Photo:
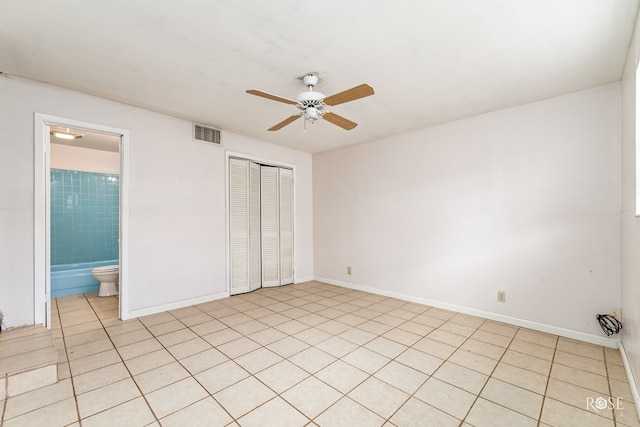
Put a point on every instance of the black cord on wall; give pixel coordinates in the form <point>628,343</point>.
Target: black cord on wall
<point>610,325</point>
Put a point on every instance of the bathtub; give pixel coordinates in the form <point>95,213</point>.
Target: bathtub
<point>70,279</point>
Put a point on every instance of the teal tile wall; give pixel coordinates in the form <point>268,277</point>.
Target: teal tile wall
<point>84,216</point>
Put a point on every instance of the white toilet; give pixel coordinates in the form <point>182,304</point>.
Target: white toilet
<point>108,277</point>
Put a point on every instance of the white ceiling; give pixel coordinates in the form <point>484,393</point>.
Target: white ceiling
<point>429,61</point>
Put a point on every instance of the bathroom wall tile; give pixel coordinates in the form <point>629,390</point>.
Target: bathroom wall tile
<point>84,216</point>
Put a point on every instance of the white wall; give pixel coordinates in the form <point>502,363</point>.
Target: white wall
<point>177,198</point>
<point>630,222</point>
<point>84,159</point>
<point>525,200</point>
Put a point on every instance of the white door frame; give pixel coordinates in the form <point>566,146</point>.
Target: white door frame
<point>262,161</point>
<point>42,214</point>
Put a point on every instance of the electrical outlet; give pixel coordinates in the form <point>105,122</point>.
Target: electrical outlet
<point>349,270</point>
<point>502,296</point>
<point>617,313</point>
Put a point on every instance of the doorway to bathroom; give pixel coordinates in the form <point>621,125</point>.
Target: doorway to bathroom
<point>261,225</point>
<point>81,209</point>
<point>84,210</point>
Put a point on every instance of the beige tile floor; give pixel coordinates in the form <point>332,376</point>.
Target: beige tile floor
<point>315,354</point>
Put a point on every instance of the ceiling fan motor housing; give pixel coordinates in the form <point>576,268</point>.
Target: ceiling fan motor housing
<point>307,100</point>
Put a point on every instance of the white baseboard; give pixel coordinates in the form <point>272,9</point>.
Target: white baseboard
<point>303,279</point>
<point>174,305</point>
<point>633,384</point>
<point>567,333</point>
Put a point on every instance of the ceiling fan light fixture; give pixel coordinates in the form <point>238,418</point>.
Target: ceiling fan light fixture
<point>311,114</point>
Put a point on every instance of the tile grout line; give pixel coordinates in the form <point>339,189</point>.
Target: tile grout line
<point>546,387</point>
<point>66,351</point>
<point>125,366</point>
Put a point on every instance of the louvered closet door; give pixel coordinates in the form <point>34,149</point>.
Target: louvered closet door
<point>286,225</point>
<point>239,225</point>
<point>255,274</point>
<point>244,227</point>
<point>270,226</point>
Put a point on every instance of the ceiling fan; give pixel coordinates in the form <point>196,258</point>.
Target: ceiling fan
<point>313,105</point>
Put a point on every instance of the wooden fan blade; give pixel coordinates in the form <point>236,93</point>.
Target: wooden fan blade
<point>285,122</point>
<point>350,95</point>
<point>337,120</point>
<point>271,96</point>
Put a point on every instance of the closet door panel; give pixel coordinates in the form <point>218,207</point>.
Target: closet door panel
<point>255,259</point>
<point>238,225</point>
<point>270,226</point>
<point>286,226</point>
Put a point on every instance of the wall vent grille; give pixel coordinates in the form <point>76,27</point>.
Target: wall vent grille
<point>206,134</point>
